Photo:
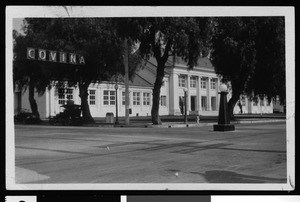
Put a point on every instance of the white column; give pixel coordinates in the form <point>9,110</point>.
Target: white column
<point>208,94</point>
<point>199,94</point>
<point>188,95</point>
<point>173,94</point>
<point>217,94</point>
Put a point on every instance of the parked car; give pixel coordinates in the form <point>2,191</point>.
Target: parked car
<point>26,117</point>
<point>71,115</point>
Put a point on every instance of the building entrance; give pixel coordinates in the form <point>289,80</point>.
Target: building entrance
<point>213,103</point>
<point>204,103</point>
<point>193,103</point>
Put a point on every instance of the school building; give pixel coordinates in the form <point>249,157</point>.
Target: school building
<point>201,83</point>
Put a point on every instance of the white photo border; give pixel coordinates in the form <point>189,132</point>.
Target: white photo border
<point>151,11</point>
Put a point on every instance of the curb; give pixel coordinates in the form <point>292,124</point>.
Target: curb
<point>174,124</point>
<point>181,125</point>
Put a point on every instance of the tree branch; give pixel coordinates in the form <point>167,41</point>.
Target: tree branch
<point>167,50</point>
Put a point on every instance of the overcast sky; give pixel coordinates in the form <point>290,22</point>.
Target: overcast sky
<point>17,22</point>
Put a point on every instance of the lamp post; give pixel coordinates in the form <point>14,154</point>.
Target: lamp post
<point>117,118</point>
<point>224,117</point>
<point>185,105</point>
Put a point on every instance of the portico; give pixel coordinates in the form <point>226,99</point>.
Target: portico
<point>202,89</point>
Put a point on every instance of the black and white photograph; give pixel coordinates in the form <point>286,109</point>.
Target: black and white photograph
<point>150,98</point>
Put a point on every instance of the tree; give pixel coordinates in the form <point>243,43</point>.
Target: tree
<point>26,74</point>
<point>269,76</point>
<point>162,37</point>
<point>94,38</point>
<point>248,52</point>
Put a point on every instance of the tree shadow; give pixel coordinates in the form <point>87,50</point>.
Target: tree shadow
<point>221,176</point>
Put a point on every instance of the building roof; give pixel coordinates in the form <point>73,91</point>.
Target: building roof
<point>140,81</point>
<point>146,76</point>
<point>202,63</point>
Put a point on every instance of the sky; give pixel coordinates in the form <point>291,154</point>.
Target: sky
<point>17,22</point>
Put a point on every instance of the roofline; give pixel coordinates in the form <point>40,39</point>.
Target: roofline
<point>155,66</point>
<point>200,69</point>
<point>143,79</point>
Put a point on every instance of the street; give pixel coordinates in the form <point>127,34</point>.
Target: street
<point>253,153</point>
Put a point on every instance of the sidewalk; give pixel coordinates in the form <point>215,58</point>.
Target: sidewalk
<point>178,121</point>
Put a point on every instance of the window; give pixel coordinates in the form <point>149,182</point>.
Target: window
<point>182,81</point>
<point>243,101</point>
<point>136,98</point>
<point>92,97</point>
<point>262,102</point>
<point>146,98</point>
<point>193,82</point>
<point>203,82</point>
<point>213,84</point>
<point>64,94</point>
<point>255,102</point>
<point>109,97</point>
<point>163,100</point>
<point>123,98</point>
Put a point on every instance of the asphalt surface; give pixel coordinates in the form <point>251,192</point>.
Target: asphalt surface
<point>253,153</point>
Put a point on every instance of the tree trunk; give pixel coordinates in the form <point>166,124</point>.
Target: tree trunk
<point>156,92</point>
<point>33,104</point>
<point>83,94</point>
<point>231,104</point>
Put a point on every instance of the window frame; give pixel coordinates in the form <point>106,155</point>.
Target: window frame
<point>108,97</point>
<point>67,94</point>
<point>163,102</point>
<point>193,82</point>
<point>136,98</point>
<point>203,83</point>
<point>213,84</point>
<point>92,95</point>
<point>182,80</point>
<point>146,99</point>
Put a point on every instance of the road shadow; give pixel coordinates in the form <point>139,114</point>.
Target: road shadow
<point>221,176</point>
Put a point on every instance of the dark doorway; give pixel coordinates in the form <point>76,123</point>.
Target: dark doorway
<point>193,103</point>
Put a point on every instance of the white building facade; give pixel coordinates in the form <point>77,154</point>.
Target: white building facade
<point>201,82</point>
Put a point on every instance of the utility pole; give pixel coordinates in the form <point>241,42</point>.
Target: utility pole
<point>126,82</point>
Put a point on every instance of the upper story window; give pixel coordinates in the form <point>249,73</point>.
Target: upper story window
<point>109,97</point>
<point>136,99</point>
<point>146,98</point>
<point>213,84</point>
<point>203,82</point>
<point>92,97</point>
<point>182,81</point>
<point>193,82</point>
<point>64,94</point>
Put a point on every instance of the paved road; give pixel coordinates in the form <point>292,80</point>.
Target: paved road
<point>254,153</point>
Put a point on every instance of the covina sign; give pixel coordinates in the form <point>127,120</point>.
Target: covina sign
<point>54,56</point>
